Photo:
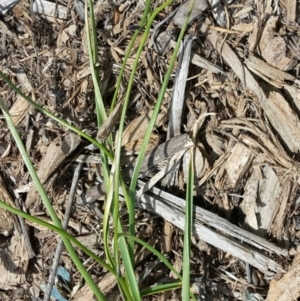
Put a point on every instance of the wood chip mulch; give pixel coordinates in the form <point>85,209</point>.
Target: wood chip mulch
<point>234,95</point>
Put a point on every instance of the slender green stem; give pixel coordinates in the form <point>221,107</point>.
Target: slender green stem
<point>128,52</point>
<point>93,58</point>
<point>161,288</point>
<point>188,230</point>
<point>118,142</point>
<point>126,102</point>
<point>157,107</point>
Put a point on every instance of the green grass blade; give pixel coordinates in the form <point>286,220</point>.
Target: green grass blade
<point>118,140</point>
<point>155,252</point>
<point>129,269</point>
<point>122,121</point>
<point>93,58</point>
<point>163,260</point>
<point>47,202</point>
<point>59,120</point>
<point>66,235</point>
<point>161,288</point>
<point>128,52</point>
<point>158,104</point>
<point>188,230</point>
<point>188,216</point>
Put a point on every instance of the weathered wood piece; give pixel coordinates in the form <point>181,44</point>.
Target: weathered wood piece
<point>7,220</point>
<point>49,9</point>
<point>233,170</point>
<point>249,204</point>
<point>176,110</point>
<point>13,263</point>
<point>284,120</point>
<point>7,5</point>
<point>271,74</point>
<point>215,230</point>
<point>273,47</point>
<point>178,100</point>
<point>268,206</point>
<point>160,153</point>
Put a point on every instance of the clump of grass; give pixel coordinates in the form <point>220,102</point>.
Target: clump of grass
<point>122,252</point>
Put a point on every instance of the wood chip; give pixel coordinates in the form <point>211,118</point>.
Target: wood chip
<point>286,288</point>
<point>205,64</point>
<point>13,263</point>
<point>284,120</point>
<point>291,11</point>
<point>268,70</point>
<point>249,204</point>
<point>273,47</point>
<point>235,167</point>
<point>49,9</point>
<point>8,221</point>
<point>269,189</point>
<point>199,7</point>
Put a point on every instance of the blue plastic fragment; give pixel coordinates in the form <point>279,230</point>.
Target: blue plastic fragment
<point>57,295</point>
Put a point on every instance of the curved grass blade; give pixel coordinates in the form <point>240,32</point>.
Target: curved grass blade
<point>161,288</point>
<point>93,58</point>
<point>122,121</point>
<point>160,256</point>
<point>47,202</point>
<point>112,201</point>
<point>188,229</point>
<point>62,233</point>
<point>59,120</point>
<point>157,106</point>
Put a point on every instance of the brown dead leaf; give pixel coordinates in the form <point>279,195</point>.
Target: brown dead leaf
<point>177,266</point>
<point>199,7</point>
<point>136,129</point>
